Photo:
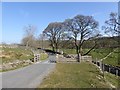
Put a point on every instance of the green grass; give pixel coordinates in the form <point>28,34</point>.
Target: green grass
<point>74,75</point>
<point>98,54</point>
<point>114,80</point>
<point>69,51</point>
<point>12,54</point>
<point>43,56</point>
<point>112,59</point>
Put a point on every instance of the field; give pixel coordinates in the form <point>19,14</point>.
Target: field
<point>69,51</point>
<point>13,58</point>
<point>75,75</point>
<point>112,59</point>
<point>11,54</point>
<point>98,54</point>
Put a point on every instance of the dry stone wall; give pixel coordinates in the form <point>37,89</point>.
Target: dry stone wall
<point>14,64</point>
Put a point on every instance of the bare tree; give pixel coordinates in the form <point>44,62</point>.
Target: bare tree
<point>53,32</point>
<point>65,41</point>
<point>79,29</point>
<point>29,38</point>
<point>112,28</point>
<point>41,40</point>
<point>112,25</point>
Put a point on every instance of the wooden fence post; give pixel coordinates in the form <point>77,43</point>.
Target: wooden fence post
<point>109,69</point>
<point>100,65</point>
<point>116,72</point>
<point>103,69</point>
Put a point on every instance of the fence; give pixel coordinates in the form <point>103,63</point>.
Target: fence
<point>86,58</point>
<point>108,68</point>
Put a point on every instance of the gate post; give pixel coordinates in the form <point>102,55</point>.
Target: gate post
<point>36,57</point>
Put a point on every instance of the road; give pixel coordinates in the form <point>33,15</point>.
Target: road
<point>27,77</point>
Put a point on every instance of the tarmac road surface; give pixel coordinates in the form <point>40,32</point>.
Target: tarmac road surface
<point>27,77</point>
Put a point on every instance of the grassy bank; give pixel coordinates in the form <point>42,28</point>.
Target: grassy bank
<point>84,75</point>
<point>11,54</point>
<point>113,79</point>
<point>98,54</point>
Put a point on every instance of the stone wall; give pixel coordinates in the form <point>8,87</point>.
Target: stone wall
<point>72,58</point>
<point>14,64</point>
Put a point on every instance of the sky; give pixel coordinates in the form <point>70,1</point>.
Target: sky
<point>17,15</point>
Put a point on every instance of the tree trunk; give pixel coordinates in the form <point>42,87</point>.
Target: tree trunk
<point>78,54</point>
<point>56,47</point>
<point>53,48</point>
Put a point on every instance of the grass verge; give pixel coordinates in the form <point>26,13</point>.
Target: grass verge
<point>113,79</point>
<point>75,75</point>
